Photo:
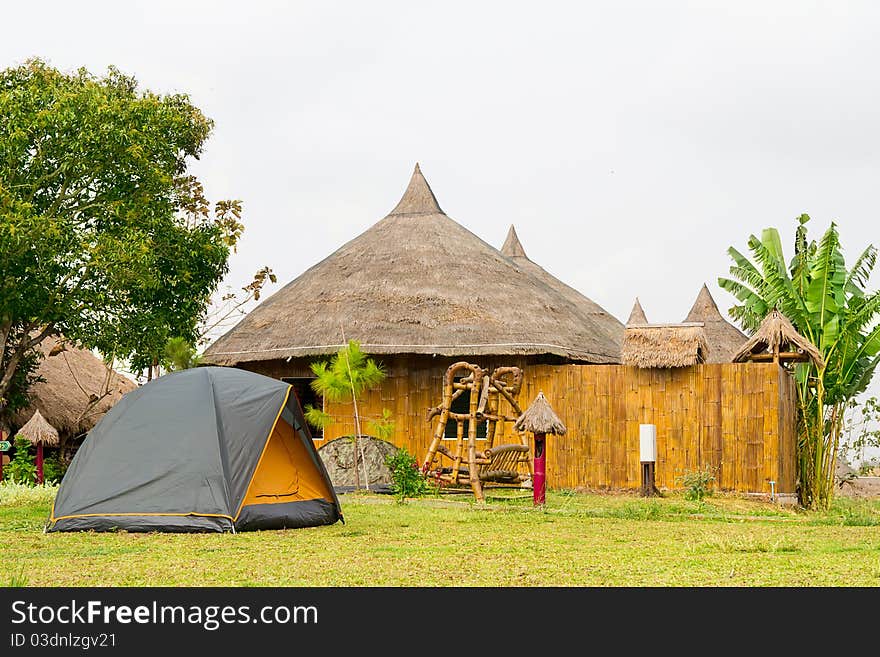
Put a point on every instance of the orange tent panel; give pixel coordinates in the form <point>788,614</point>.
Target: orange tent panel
<point>286,472</point>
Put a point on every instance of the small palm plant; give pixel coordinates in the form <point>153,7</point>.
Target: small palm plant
<point>346,376</point>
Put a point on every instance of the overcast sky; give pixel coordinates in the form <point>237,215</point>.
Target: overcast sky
<point>629,142</point>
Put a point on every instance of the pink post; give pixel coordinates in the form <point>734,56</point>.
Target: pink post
<point>539,486</point>
<point>39,463</point>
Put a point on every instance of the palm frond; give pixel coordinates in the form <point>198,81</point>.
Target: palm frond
<point>799,267</point>
<point>861,270</point>
<point>753,308</point>
<point>779,290</point>
<point>771,241</point>
<point>825,292</point>
<point>863,312</point>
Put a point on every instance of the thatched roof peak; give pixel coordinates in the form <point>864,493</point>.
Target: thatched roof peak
<point>637,315</point>
<point>540,418</point>
<point>418,197</point>
<point>778,339</point>
<point>704,307</point>
<point>39,431</point>
<point>723,337</point>
<point>513,248</point>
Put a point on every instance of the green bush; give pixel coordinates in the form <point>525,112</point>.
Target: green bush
<point>22,469</point>
<point>407,480</point>
<point>53,469</point>
<point>697,484</point>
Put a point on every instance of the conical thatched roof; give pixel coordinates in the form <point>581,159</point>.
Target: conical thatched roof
<point>664,345</point>
<point>777,339</point>
<point>724,338</point>
<point>38,431</point>
<point>637,315</point>
<point>612,327</point>
<point>540,418</point>
<point>72,377</point>
<point>416,282</point>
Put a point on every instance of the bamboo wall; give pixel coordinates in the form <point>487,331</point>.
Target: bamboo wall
<point>738,419</point>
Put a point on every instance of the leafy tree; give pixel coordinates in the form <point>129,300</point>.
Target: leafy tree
<point>829,305</point>
<point>348,374</point>
<point>104,236</point>
<point>24,377</point>
<point>180,354</point>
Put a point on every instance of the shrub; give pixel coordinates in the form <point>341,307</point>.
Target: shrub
<point>407,480</point>
<point>22,469</point>
<point>53,469</point>
<point>697,484</point>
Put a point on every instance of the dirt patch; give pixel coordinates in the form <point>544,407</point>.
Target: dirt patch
<point>861,487</point>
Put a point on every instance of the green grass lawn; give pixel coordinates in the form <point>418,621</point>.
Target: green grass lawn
<point>578,540</point>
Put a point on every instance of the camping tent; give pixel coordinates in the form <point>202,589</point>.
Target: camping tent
<point>206,449</point>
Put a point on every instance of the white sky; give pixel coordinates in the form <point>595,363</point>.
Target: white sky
<point>629,142</point>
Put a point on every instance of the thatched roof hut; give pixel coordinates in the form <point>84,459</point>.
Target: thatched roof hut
<point>416,282</point>
<point>664,345</point>
<point>74,379</point>
<point>514,250</point>
<point>777,340</point>
<point>724,338</point>
<point>38,431</point>
<point>540,418</point>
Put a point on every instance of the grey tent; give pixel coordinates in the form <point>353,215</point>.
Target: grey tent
<point>206,449</point>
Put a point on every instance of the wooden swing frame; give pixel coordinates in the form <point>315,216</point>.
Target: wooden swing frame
<point>508,465</point>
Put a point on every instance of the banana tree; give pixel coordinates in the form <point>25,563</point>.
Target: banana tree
<point>830,306</point>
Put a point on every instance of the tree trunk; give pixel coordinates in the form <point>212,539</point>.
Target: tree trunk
<point>358,448</point>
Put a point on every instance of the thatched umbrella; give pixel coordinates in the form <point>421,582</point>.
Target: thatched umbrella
<point>39,432</point>
<point>444,292</point>
<point>777,340</point>
<point>540,419</point>
<point>664,345</point>
<point>723,338</point>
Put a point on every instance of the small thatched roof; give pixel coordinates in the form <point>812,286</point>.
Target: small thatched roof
<point>637,315</point>
<point>73,377</point>
<point>777,339</point>
<point>664,345</point>
<point>540,418</point>
<point>416,282</point>
<point>38,431</point>
<point>723,337</point>
<point>604,320</point>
